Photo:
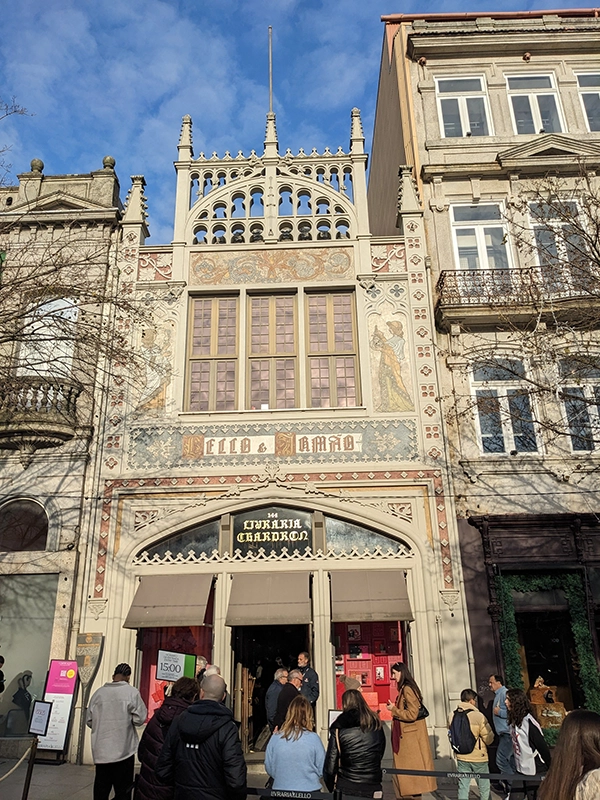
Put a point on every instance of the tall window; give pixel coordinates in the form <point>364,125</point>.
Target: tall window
<point>560,246</point>
<point>463,107</point>
<point>580,394</point>
<point>272,353</point>
<point>47,345</point>
<point>480,237</point>
<point>332,350</point>
<point>503,404</point>
<point>534,103</point>
<point>589,91</point>
<point>212,378</point>
<point>23,526</point>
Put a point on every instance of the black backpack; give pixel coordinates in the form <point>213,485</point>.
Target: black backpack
<point>462,738</point>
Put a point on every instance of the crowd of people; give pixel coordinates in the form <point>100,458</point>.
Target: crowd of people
<point>191,746</point>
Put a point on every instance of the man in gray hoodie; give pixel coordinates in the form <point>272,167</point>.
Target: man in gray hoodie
<point>114,710</point>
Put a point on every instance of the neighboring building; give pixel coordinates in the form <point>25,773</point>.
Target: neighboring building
<point>55,233</point>
<point>276,480</point>
<point>482,108</point>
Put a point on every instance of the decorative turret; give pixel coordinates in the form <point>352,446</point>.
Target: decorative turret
<point>186,151</point>
<point>271,143</point>
<point>357,136</point>
<point>135,214</point>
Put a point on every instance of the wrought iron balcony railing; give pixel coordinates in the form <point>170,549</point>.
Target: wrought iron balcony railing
<point>493,287</point>
<point>37,411</point>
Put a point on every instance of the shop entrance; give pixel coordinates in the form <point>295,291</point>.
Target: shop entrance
<point>259,650</point>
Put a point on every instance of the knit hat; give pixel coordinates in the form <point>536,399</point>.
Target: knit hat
<point>123,669</point>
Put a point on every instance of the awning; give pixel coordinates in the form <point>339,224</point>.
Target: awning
<point>165,600</point>
<point>269,599</point>
<point>369,596</point>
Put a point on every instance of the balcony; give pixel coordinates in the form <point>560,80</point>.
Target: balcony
<point>37,412</point>
<point>490,296</point>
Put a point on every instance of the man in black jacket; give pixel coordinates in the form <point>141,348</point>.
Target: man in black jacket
<point>202,754</point>
<point>310,679</point>
<point>286,695</point>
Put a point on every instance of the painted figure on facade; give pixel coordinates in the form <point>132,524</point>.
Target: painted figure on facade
<point>394,395</point>
<point>158,370</point>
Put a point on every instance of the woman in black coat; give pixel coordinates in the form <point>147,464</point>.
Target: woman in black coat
<point>356,747</point>
<point>184,692</point>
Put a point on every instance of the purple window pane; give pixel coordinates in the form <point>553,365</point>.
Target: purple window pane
<point>259,325</point>
<point>227,330</point>
<point>320,393</point>
<point>201,327</point>
<point>200,386</point>
<point>225,386</point>
<point>342,322</point>
<point>285,375</point>
<point>345,373</point>
<point>284,322</point>
<point>259,383</point>
<point>317,323</point>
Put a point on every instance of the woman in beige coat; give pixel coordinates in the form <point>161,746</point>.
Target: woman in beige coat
<point>410,740</point>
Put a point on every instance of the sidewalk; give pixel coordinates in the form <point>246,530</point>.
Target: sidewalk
<point>71,782</point>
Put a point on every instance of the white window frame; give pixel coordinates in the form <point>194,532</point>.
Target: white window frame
<point>462,105</point>
<point>479,226</point>
<point>583,90</point>
<point>502,389</point>
<point>533,94</point>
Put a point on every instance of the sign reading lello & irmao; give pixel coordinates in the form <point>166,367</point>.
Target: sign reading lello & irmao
<point>272,529</point>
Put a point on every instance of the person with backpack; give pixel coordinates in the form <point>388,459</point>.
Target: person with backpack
<point>470,734</point>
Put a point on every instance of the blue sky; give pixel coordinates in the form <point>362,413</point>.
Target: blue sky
<point>114,77</point>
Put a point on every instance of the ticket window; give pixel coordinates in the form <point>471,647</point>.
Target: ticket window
<point>366,652</point>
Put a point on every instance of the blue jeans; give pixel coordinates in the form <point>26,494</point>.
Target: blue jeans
<point>464,783</point>
<point>505,759</point>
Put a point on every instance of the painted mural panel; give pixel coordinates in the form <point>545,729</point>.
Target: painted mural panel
<point>390,369</point>
<point>272,266</point>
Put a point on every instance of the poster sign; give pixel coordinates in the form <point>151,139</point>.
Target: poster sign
<point>88,654</point>
<point>272,529</point>
<point>61,685</point>
<point>40,718</point>
<point>172,666</point>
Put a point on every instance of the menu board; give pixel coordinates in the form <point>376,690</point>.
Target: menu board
<point>61,685</point>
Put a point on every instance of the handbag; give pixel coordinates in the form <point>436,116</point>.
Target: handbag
<point>422,713</point>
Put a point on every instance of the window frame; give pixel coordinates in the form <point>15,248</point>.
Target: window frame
<point>583,90</point>
<point>463,111</point>
<point>503,390</point>
<point>213,359</point>
<point>534,107</point>
<point>480,226</point>
<point>59,338</point>
<point>590,390</point>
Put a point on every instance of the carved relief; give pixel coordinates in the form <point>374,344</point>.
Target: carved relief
<point>155,267</point>
<point>388,258</point>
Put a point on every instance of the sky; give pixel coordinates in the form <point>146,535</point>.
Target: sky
<point>115,77</point>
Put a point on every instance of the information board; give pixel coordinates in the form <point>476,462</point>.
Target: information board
<point>172,666</point>
<point>40,718</point>
<point>61,685</point>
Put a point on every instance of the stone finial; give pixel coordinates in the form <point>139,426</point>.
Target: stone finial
<point>271,143</point>
<point>186,150</point>
<point>136,203</point>
<point>357,136</point>
<point>108,162</point>
<point>37,165</point>
<point>408,195</point>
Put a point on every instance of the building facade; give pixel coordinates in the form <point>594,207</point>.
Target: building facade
<point>496,116</point>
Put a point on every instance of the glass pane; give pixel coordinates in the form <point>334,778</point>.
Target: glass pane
<point>23,526</point>
<point>259,384</point>
<point>342,322</point>
<point>499,369</point>
<point>317,323</point>
<point>345,376</point>
<point>490,423</point>
<point>519,407</point>
<point>284,322</point>
<point>545,240</point>
<point>201,328</point>
<point>495,248</point>
<point>477,116</point>
<point>451,119</point>
<point>468,256</point>
<point>345,536</point>
<point>285,375</point>
<point>200,539</point>
<point>200,386</point>
<point>476,213</point>
<point>576,409</point>
<point>225,386</point>
<point>523,115</point>
<point>48,343</point>
<point>579,368</point>
<point>589,80</point>
<point>592,109</point>
<point>530,82</point>
<point>549,113</point>
<point>227,329</point>
<point>259,325</point>
<point>320,394</point>
<point>457,85</point>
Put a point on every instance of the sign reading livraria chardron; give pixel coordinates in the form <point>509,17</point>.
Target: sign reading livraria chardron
<point>272,529</point>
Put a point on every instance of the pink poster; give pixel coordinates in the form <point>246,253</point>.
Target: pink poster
<point>62,677</point>
<point>60,690</point>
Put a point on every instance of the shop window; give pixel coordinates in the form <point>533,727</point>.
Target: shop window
<point>589,91</point>
<point>332,356</point>
<point>580,395</point>
<point>272,352</point>
<point>463,107</point>
<point>212,367</point>
<point>23,526</point>
<point>534,104</point>
<point>504,411</point>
